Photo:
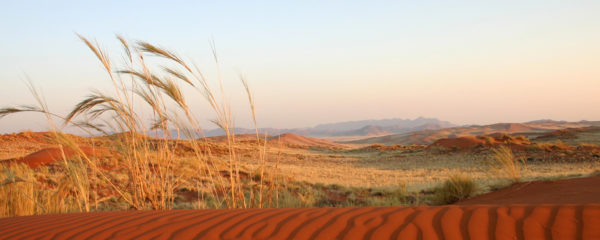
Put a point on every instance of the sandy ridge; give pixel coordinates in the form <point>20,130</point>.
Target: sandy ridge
<point>583,190</point>
<point>49,155</point>
<point>445,222</point>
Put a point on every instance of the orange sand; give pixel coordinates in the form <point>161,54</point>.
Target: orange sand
<point>296,140</point>
<point>567,191</point>
<point>50,155</point>
<point>446,222</point>
<point>459,142</point>
<point>470,142</point>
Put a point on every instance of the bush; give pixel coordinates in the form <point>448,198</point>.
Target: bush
<point>505,162</point>
<point>456,188</point>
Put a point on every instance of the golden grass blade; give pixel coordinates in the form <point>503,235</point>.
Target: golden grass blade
<point>149,48</point>
<point>125,47</point>
<point>97,51</point>
<point>178,75</point>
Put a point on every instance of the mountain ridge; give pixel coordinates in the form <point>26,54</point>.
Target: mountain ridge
<point>428,136</point>
<point>372,127</point>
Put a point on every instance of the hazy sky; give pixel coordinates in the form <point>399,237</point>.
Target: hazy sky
<point>311,62</point>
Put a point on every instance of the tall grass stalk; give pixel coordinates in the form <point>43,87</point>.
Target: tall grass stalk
<point>155,180</point>
<point>150,163</point>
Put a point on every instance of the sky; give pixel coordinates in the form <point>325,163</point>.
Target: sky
<point>312,62</point>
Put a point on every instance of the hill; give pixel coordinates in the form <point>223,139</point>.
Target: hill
<point>565,191</point>
<point>296,140</point>
<point>357,129</point>
<point>425,137</point>
<point>396,123</point>
<point>572,136</point>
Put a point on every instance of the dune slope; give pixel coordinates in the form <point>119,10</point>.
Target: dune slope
<point>565,191</point>
<point>297,140</point>
<point>50,155</point>
<point>446,222</point>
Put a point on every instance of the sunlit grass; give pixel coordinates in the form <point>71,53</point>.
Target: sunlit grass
<point>148,174</point>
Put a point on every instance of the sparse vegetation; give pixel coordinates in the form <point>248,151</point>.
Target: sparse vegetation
<point>26,191</point>
<point>147,176</point>
<point>505,162</point>
<point>456,188</point>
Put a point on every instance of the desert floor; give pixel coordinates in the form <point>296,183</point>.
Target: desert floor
<point>556,196</point>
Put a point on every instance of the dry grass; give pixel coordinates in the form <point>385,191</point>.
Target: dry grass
<point>456,188</point>
<point>507,164</point>
<point>27,192</point>
<point>354,172</point>
<point>418,170</point>
<point>148,175</point>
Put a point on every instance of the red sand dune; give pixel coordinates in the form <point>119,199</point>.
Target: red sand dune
<point>446,222</point>
<point>50,155</point>
<point>293,139</point>
<point>469,142</point>
<point>28,137</point>
<point>573,212</point>
<point>567,191</point>
<point>459,142</point>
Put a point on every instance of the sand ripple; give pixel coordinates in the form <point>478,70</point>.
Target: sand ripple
<point>445,222</point>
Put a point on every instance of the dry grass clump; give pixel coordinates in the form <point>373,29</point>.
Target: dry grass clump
<point>456,188</point>
<point>151,166</point>
<point>26,191</point>
<point>148,173</point>
<point>18,192</point>
<point>507,164</point>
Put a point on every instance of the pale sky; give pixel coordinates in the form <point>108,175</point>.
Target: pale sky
<point>311,62</point>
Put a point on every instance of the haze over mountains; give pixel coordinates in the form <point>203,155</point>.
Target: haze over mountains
<point>362,128</point>
<point>420,131</point>
<point>530,129</point>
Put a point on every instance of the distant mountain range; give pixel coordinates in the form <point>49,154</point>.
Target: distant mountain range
<point>365,128</point>
<point>420,131</point>
<point>530,129</point>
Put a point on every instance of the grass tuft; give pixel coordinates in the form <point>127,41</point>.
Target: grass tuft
<point>456,188</point>
<point>506,164</point>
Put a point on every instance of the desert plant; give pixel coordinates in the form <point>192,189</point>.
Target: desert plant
<point>504,162</point>
<point>18,191</point>
<point>26,191</point>
<point>76,175</point>
<point>150,164</point>
<point>454,189</point>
